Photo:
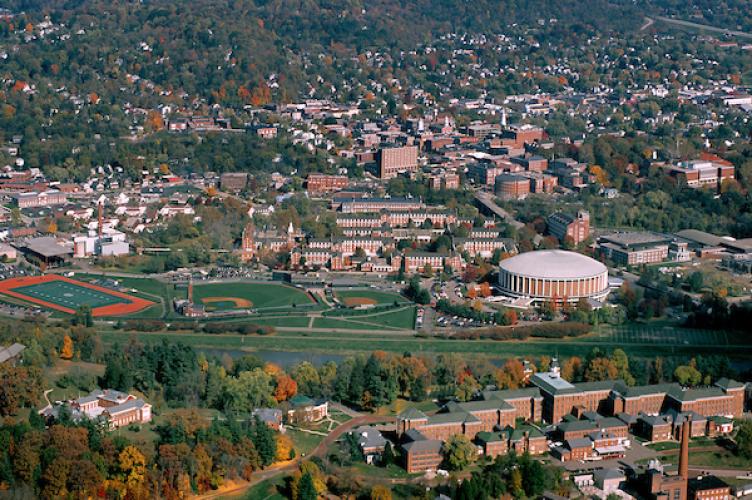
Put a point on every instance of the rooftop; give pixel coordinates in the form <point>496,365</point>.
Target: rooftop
<point>553,264</point>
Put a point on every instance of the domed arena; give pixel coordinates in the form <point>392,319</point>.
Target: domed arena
<point>555,275</point>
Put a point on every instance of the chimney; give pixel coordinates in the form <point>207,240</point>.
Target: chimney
<point>684,455</point>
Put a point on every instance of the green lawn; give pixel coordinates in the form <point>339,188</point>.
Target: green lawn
<point>717,459</point>
<point>261,295</point>
<point>303,442</point>
<point>268,490</point>
<point>368,293</point>
<point>395,318</point>
<point>347,343</point>
<point>285,321</point>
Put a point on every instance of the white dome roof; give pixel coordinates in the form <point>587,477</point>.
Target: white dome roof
<point>553,264</point>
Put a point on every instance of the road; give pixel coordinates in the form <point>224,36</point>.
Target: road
<point>486,199</point>
<point>704,27</point>
<point>319,451</point>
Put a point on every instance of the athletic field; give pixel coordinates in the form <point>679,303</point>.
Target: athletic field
<point>67,295</point>
<point>239,295</point>
<point>367,296</point>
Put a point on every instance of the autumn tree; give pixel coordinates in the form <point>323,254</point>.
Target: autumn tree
<point>285,449</point>
<point>133,466</point>
<point>600,368</point>
<point>285,389</point>
<point>381,492</point>
<point>511,375</point>
<point>66,352</point>
<point>572,370</point>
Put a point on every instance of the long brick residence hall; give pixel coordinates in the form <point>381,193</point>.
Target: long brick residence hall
<point>492,420</point>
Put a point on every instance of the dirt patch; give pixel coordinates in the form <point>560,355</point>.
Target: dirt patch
<point>358,301</point>
<point>235,300</point>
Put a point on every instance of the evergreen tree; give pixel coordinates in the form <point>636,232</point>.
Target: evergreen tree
<point>263,440</point>
<point>387,458</point>
<point>306,488</point>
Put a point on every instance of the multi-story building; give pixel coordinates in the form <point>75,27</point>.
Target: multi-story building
<point>485,247</point>
<point>393,161</point>
<point>511,186</point>
<point>569,227</point>
<point>702,173</point>
<point>634,248</point>
<point>357,205</point>
<point>35,199</point>
<point>418,261</point>
<point>322,183</point>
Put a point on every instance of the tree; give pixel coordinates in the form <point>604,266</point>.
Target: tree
<point>387,458</point>
<point>458,452</point>
<point>249,390</point>
<point>286,388</point>
<point>285,449</point>
<point>306,489</point>
<point>133,465</point>
<point>621,361</point>
<point>687,375</point>
<point>67,350</point>
<point>511,375</point>
<point>744,439</point>
<point>381,492</point>
<point>600,369</point>
<point>264,441</point>
<point>571,370</point>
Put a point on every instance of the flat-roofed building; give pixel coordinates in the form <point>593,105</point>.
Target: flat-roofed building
<point>395,160</point>
<point>634,248</point>
<point>702,173</point>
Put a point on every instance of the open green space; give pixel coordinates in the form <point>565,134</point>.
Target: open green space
<point>261,295</point>
<point>378,297</point>
<point>303,442</point>
<point>403,319</point>
<point>307,341</point>
<point>721,459</point>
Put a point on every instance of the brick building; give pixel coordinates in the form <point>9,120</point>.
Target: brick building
<point>575,228</point>
<point>393,161</point>
<point>322,183</point>
<point>511,186</point>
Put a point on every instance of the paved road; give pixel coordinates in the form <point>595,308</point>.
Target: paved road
<point>705,27</point>
<point>486,199</point>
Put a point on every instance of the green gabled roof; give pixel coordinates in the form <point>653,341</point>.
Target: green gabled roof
<point>644,390</point>
<point>527,392</point>
<point>682,395</point>
<point>718,419</point>
<point>411,414</point>
<point>300,400</point>
<point>577,425</point>
<point>491,437</point>
<point>451,417</point>
<point>493,404</point>
<point>603,385</point>
<point>519,432</point>
<point>727,383</point>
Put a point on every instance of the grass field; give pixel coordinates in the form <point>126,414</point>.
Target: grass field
<point>403,319</point>
<point>260,295</point>
<point>70,295</point>
<point>387,340</point>
<point>663,334</point>
<point>352,298</point>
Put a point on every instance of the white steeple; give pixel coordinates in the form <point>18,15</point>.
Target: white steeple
<point>421,125</point>
<point>503,117</point>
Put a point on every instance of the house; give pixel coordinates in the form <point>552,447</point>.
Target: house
<point>11,354</point>
<point>272,417</point>
<point>609,480</point>
<point>115,407</point>
<point>304,409</point>
<point>370,441</point>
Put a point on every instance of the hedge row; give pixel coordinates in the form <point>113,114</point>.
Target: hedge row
<point>545,330</point>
